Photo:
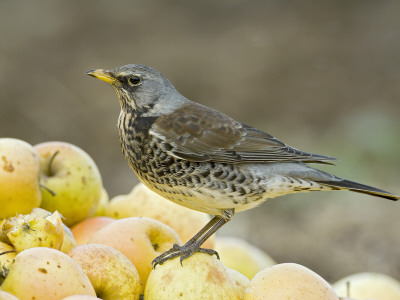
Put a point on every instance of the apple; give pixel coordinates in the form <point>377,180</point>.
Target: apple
<point>69,241</point>
<point>201,276</point>
<point>289,281</point>
<point>7,255</point>
<point>7,296</point>
<point>28,231</point>
<point>19,178</point>
<point>368,285</point>
<point>239,255</point>
<point>84,230</point>
<point>45,273</point>
<point>73,176</point>
<point>111,273</point>
<point>80,297</point>
<point>139,239</point>
<point>103,203</point>
<point>241,281</point>
<point>142,202</point>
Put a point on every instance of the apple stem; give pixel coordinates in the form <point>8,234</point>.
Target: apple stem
<point>47,189</point>
<point>49,172</point>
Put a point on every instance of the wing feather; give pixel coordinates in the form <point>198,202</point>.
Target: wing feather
<point>198,133</point>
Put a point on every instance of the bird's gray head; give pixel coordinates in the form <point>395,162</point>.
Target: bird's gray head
<point>138,87</point>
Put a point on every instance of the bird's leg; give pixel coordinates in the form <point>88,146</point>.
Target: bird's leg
<point>194,244</point>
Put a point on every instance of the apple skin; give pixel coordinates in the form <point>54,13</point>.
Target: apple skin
<point>84,230</point>
<point>19,178</point>
<point>369,285</point>
<point>139,239</point>
<point>73,176</point>
<point>111,273</point>
<point>45,273</point>
<point>103,203</point>
<point>201,276</point>
<point>239,255</point>
<point>143,202</point>
<point>241,281</point>
<point>81,297</point>
<point>6,259</point>
<point>7,296</point>
<point>289,281</point>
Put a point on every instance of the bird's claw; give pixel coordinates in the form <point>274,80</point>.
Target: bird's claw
<point>184,252</point>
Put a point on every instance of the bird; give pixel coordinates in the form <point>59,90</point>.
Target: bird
<point>202,159</point>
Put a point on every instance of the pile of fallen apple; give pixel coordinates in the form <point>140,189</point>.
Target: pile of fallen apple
<point>62,238</point>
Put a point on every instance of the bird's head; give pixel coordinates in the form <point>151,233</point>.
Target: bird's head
<point>139,88</point>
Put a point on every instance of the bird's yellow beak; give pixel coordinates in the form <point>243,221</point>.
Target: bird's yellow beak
<point>102,75</point>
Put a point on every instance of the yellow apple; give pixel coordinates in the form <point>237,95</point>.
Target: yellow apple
<point>111,273</point>
<point>201,276</point>
<point>103,203</point>
<point>239,255</point>
<point>139,239</point>
<point>7,255</point>
<point>69,241</point>
<point>19,178</point>
<point>241,281</point>
<point>289,281</point>
<point>84,230</point>
<point>28,231</point>
<point>81,297</point>
<point>7,296</point>
<point>74,178</point>
<point>368,285</point>
<point>45,273</point>
<point>142,202</point>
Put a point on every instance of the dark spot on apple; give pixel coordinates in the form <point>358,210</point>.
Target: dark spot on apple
<point>42,270</point>
<point>58,266</point>
<point>180,294</point>
<point>48,262</point>
<point>83,179</point>
<point>8,167</point>
<point>155,246</point>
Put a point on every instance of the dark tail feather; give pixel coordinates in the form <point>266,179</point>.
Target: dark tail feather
<point>360,188</point>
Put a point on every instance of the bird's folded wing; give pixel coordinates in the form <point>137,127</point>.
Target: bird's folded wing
<point>198,133</point>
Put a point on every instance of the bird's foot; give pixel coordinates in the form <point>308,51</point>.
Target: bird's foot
<point>183,251</point>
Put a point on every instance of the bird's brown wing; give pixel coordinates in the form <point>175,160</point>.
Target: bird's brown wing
<point>198,133</point>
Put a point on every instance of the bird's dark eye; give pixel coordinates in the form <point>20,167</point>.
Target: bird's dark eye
<point>135,80</point>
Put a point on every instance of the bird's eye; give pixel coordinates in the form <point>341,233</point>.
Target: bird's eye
<point>135,80</point>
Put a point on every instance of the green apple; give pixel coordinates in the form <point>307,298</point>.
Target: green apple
<point>288,281</point>
<point>45,273</point>
<point>201,276</point>
<point>111,273</point>
<point>368,285</point>
<point>239,255</point>
<point>73,176</point>
<point>19,178</point>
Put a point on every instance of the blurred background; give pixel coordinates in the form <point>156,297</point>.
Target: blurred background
<point>322,76</point>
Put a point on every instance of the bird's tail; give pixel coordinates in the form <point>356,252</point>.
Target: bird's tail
<point>360,188</point>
